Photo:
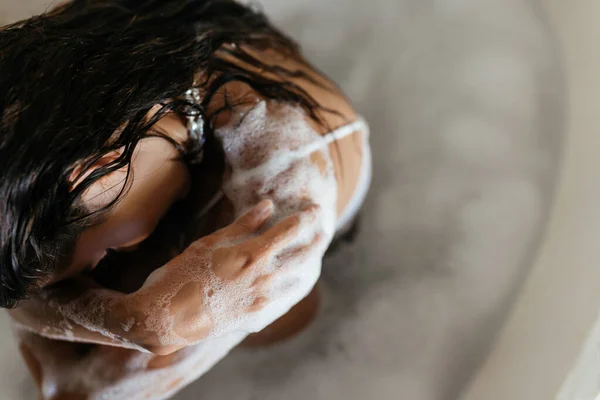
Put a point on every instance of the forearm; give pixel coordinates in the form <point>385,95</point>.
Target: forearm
<point>61,368</point>
<point>77,310</point>
<point>170,311</point>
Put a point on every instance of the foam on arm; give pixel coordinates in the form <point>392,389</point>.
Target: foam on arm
<point>272,152</point>
<point>78,311</point>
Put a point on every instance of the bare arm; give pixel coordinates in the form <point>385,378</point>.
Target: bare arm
<point>276,151</point>
<point>64,370</point>
<point>79,310</point>
<point>345,155</point>
<point>171,311</point>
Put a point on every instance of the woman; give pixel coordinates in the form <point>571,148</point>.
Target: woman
<point>130,131</point>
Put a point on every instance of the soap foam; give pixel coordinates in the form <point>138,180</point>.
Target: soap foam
<point>282,171</point>
<point>88,311</point>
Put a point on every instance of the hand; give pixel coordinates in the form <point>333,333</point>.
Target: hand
<point>250,275</point>
<point>220,282</point>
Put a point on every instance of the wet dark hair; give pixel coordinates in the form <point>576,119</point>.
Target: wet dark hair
<point>78,82</point>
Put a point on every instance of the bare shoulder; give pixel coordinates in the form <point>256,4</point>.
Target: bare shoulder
<point>335,109</point>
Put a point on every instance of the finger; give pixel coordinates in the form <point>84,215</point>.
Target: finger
<point>228,263</point>
<point>281,234</point>
<point>262,281</point>
<point>247,224</point>
<point>255,218</point>
<point>257,304</point>
<point>300,253</point>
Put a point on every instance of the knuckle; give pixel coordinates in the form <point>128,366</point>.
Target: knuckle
<point>244,223</point>
<point>245,258</point>
<point>248,262</point>
<point>319,239</point>
<point>292,222</point>
<point>262,280</point>
<point>258,304</point>
<point>313,208</point>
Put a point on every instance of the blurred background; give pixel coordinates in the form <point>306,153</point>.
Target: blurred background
<point>473,274</point>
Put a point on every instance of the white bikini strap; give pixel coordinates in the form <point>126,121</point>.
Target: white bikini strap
<point>360,125</point>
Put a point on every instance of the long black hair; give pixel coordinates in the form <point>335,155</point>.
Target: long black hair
<point>78,82</point>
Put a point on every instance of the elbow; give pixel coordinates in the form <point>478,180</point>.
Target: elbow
<point>149,342</point>
<point>162,350</point>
